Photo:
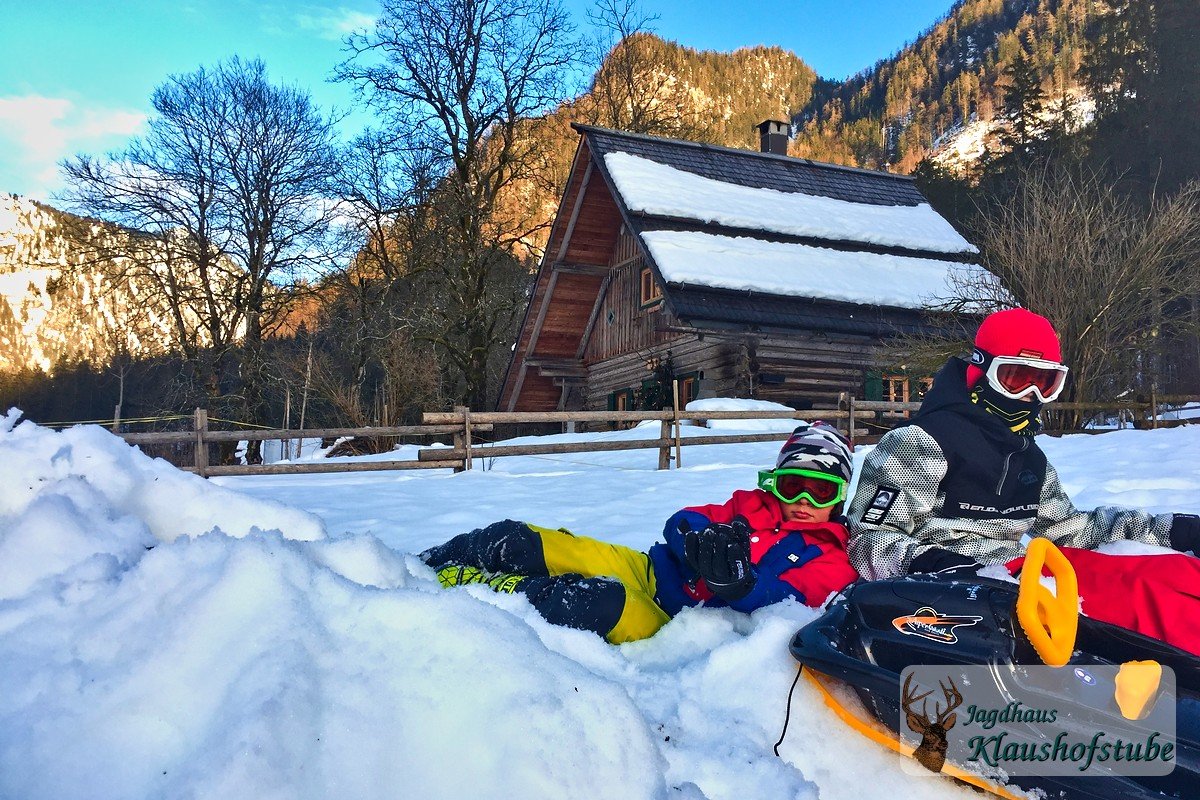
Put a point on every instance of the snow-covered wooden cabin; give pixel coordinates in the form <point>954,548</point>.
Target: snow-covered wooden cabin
<point>759,274</point>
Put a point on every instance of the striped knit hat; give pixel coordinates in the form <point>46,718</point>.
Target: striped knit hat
<point>817,446</point>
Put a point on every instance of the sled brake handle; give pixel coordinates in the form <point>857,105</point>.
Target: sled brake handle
<point>1051,621</point>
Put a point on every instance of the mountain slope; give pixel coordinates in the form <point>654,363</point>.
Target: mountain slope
<point>893,114</point>
<point>54,306</point>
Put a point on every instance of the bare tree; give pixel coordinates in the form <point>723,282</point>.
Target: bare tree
<point>225,197</point>
<point>454,80</point>
<point>163,190</point>
<point>279,168</point>
<point>1113,279</point>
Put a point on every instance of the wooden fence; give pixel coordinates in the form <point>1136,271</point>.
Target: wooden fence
<point>861,420</point>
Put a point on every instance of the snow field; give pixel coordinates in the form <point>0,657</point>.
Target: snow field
<point>279,640</point>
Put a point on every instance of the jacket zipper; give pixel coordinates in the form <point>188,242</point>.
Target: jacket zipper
<point>1004,473</point>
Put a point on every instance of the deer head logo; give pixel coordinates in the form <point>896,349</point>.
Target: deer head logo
<point>932,751</point>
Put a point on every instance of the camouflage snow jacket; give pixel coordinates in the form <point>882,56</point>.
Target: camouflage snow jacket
<point>957,478</point>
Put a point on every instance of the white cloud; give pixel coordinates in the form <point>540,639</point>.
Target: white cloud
<point>334,23</point>
<point>36,132</point>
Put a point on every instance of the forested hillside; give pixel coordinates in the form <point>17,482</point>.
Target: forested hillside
<point>893,114</point>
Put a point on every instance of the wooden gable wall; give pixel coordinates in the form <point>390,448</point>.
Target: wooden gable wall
<point>549,348</point>
<point>622,325</point>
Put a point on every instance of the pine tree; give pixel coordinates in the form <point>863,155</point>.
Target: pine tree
<point>1173,100</point>
<point>1024,103</point>
<point>1142,69</point>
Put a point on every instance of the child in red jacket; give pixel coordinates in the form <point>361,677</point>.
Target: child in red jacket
<point>785,539</point>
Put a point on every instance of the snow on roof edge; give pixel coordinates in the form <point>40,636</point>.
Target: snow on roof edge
<point>657,189</point>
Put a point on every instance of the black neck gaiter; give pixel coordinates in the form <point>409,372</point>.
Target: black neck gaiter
<point>1021,417</point>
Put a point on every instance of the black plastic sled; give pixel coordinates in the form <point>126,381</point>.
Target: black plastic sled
<point>860,642</point>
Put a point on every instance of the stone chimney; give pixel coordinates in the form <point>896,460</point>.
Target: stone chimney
<point>773,136</point>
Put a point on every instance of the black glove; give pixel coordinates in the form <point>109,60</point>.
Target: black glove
<point>1185,533</point>
<point>721,555</point>
<point>938,559</point>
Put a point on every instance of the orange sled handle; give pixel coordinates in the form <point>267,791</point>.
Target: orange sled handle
<point>1051,621</point>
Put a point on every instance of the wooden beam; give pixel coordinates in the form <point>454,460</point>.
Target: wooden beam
<point>587,177</point>
<point>567,374</point>
<point>558,367</point>
<point>336,466</point>
<point>502,417</point>
<point>591,323</point>
<point>541,318</point>
<point>496,451</point>
<point>533,337</point>
<point>596,270</point>
<point>512,398</point>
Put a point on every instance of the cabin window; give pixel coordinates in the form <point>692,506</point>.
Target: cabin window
<point>895,388</point>
<point>689,386</point>
<point>923,387</point>
<point>620,400</point>
<point>651,294</point>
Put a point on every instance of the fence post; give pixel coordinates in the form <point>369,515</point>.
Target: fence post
<point>678,445</point>
<point>201,426</point>
<point>460,440</point>
<point>664,445</point>
<point>1153,406</point>
<point>850,423</point>
<point>467,439</point>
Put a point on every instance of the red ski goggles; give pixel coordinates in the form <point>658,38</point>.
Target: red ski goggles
<point>793,485</point>
<point>1019,376</point>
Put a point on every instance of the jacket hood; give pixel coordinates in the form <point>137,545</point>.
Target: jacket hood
<point>949,394</point>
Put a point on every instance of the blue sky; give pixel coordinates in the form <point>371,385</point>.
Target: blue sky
<point>76,75</point>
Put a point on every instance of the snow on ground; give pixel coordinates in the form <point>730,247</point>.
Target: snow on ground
<point>166,636</point>
<point>662,190</point>
<point>1185,411</point>
<point>743,263</point>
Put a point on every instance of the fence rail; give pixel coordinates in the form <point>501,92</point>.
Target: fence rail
<point>860,419</point>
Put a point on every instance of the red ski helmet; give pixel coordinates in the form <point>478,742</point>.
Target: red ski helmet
<point>1015,332</point>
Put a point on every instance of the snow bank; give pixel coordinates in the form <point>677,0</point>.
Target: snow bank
<point>746,264</point>
<point>658,189</point>
<point>237,661</point>
<point>262,666</point>
<point>246,668</point>
<point>37,463</point>
<point>743,425</point>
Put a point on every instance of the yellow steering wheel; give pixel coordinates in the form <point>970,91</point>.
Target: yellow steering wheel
<point>1049,620</point>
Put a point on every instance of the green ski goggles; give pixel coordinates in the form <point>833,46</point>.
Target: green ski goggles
<point>794,485</point>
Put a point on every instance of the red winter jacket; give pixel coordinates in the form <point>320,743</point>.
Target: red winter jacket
<point>798,559</point>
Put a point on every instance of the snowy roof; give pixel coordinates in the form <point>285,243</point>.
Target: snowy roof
<point>759,170</point>
<point>748,264</point>
<point>779,228</point>
<point>660,190</point>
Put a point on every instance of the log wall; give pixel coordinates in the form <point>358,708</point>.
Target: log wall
<point>801,370</point>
